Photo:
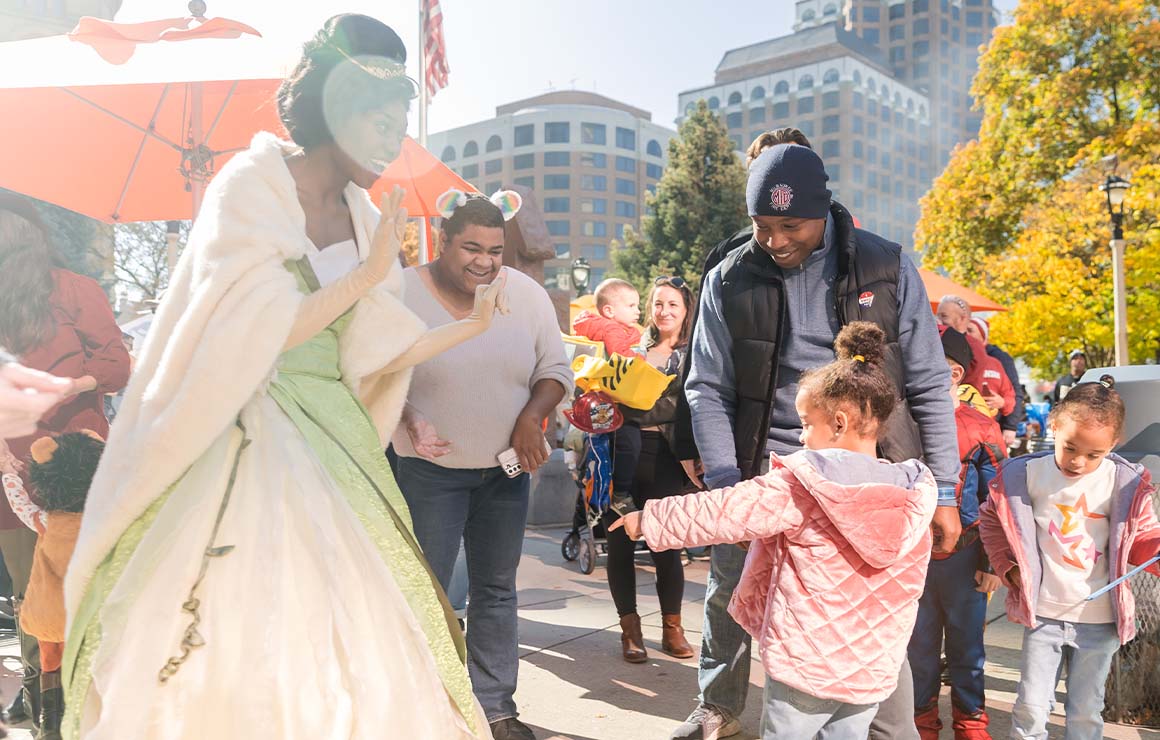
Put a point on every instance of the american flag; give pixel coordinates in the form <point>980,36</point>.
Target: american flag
<point>435,75</point>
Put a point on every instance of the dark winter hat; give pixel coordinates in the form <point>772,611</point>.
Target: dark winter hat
<point>788,180</point>
<point>956,347</point>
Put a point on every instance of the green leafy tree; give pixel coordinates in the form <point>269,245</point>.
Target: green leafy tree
<point>141,258</point>
<point>1016,214</point>
<point>699,201</point>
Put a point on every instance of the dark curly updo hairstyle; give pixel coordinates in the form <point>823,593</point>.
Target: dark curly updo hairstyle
<point>344,43</point>
<point>62,470</point>
<point>855,382</point>
<point>477,211</point>
<point>1093,404</point>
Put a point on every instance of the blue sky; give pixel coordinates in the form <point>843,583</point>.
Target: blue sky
<point>642,52</point>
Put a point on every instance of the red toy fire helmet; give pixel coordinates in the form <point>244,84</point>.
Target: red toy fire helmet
<point>595,413</point>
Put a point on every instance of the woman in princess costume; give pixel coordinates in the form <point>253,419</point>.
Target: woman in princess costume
<point>246,556</point>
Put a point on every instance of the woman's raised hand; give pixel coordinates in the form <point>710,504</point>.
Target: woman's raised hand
<point>388,238</point>
<point>491,298</point>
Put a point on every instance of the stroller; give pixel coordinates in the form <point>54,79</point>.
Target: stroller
<point>593,476</point>
<point>587,539</point>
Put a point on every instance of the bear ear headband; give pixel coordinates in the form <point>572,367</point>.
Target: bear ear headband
<point>507,201</point>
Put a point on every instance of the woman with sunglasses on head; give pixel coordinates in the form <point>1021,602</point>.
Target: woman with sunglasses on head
<point>644,465</point>
<point>246,565</point>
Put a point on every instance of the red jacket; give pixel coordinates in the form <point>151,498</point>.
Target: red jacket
<point>986,370</point>
<point>618,339</point>
<point>87,341</point>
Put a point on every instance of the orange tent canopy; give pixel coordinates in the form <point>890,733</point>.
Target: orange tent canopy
<point>127,122</point>
<point>423,176</point>
<point>937,286</point>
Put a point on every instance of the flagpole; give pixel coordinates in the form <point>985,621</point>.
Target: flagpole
<point>423,73</point>
<point>425,226</point>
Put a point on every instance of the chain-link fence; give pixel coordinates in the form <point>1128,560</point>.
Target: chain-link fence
<point>1133,688</point>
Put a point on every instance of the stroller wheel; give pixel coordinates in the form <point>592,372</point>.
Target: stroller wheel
<point>570,547</point>
<point>587,555</point>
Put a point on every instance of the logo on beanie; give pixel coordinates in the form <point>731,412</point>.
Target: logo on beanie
<point>780,196</point>
<point>866,300</point>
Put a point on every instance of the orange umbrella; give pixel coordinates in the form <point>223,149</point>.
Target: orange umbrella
<point>128,121</point>
<point>937,286</point>
<point>425,178</point>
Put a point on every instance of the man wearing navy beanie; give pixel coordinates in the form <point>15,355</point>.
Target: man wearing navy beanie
<point>770,310</point>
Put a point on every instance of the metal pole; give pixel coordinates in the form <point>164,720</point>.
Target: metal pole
<point>422,74</point>
<point>1121,308</point>
<point>197,184</point>
<point>1120,293</point>
<point>425,224</point>
<point>172,232</point>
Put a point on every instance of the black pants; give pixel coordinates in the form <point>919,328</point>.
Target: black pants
<point>644,464</point>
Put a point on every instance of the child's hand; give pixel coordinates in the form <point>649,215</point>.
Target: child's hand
<point>988,582</point>
<point>8,462</point>
<point>1013,578</point>
<point>631,524</point>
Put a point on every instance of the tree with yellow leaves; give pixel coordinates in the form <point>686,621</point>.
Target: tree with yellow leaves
<point>1018,214</point>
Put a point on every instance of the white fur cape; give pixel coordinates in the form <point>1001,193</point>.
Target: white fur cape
<point>217,336</point>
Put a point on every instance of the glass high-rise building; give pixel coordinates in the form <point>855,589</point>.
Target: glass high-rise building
<point>880,87</point>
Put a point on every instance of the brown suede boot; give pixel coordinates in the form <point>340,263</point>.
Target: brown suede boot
<point>631,639</point>
<point>673,639</point>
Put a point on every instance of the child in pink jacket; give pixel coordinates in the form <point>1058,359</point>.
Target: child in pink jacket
<point>840,544</point>
<point>1059,527</point>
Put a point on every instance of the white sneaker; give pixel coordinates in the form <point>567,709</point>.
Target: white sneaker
<point>707,722</point>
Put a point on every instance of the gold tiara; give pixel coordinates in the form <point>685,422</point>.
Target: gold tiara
<point>380,67</point>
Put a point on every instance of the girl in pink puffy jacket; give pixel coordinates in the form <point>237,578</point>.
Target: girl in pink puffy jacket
<point>840,544</point>
<point>1059,527</point>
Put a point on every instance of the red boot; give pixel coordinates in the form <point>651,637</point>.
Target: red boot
<point>928,723</point>
<point>970,726</point>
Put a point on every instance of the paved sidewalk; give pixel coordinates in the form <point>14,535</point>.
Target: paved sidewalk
<point>574,686</point>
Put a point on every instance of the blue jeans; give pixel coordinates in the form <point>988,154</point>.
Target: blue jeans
<point>457,590</point>
<point>790,713</point>
<point>950,605</point>
<point>723,671</point>
<point>487,511</point>
<point>1088,650</point>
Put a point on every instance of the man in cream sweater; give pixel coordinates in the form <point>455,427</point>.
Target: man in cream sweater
<point>483,397</point>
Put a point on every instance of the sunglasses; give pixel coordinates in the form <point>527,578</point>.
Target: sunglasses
<point>676,282</point>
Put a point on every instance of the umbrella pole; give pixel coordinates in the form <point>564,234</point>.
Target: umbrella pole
<point>197,184</point>
<point>428,245</point>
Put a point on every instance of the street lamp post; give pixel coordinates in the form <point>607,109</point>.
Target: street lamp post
<point>581,272</point>
<point>172,234</point>
<point>1115,188</point>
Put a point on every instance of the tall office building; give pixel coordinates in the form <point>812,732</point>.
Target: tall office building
<point>589,159</point>
<point>932,45</point>
<point>881,88</point>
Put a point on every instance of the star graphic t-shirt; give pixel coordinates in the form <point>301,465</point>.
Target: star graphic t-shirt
<point>1071,522</point>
